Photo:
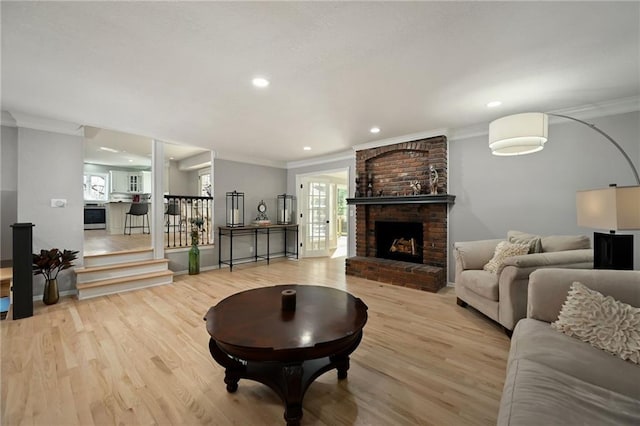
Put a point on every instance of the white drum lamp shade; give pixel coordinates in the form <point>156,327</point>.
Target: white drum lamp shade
<point>614,208</point>
<point>518,134</point>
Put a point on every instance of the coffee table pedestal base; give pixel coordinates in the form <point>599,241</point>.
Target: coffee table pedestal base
<point>290,380</point>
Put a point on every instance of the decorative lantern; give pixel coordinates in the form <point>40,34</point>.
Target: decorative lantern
<point>235,209</point>
<point>285,209</point>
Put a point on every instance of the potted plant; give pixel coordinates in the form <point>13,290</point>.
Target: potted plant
<point>49,263</point>
<point>194,252</point>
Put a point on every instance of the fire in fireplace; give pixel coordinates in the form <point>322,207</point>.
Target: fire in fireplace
<point>399,241</point>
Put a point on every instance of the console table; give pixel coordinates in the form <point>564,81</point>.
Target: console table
<point>262,232</point>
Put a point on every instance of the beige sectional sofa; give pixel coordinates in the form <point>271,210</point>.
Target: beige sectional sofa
<point>555,379</point>
<point>502,296</point>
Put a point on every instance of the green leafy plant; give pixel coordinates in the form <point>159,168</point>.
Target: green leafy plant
<point>196,228</point>
<point>50,262</point>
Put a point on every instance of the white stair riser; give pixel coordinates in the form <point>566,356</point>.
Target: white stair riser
<point>123,271</point>
<point>122,287</point>
<point>91,261</point>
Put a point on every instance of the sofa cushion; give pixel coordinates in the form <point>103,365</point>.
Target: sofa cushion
<point>482,283</point>
<point>535,394</point>
<point>536,341</point>
<point>534,241</point>
<point>565,242</point>
<point>601,321</point>
<point>503,251</point>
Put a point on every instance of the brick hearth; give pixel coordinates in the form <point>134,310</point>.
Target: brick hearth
<point>391,169</point>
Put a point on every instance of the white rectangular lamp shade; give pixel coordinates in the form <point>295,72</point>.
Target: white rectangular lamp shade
<point>518,134</point>
<point>613,208</point>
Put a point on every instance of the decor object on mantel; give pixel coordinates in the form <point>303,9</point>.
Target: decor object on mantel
<point>370,186</point>
<point>416,187</point>
<point>433,179</point>
<point>235,209</point>
<point>194,252</point>
<point>49,263</point>
<point>614,208</point>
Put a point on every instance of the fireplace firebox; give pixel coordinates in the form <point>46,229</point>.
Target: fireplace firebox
<point>399,241</point>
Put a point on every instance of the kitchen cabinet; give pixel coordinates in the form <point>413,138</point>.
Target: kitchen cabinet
<point>124,181</point>
<point>119,181</point>
<point>146,182</point>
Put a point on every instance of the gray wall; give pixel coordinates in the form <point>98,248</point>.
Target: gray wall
<point>51,166</point>
<point>9,189</point>
<point>536,193</point>
<point>179,181</point>
<point>258,183</point>
<point>329,166</point>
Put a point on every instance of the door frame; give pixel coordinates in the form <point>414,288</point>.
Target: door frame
<point>299,199</point>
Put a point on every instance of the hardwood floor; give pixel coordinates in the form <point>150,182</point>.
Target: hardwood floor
<point>142,358</point>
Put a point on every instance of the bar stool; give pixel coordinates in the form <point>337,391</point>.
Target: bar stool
<point>137,209</point>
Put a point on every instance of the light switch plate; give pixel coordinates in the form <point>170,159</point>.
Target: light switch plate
<point>58,202</point>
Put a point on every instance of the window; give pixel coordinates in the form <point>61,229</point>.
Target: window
<point>206,190</point>
<point>95,187</point>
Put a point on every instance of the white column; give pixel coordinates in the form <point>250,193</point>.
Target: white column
<point>157,199</point>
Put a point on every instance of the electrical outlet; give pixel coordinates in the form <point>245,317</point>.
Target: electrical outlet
<point>58,202</point>
<point>250,249</point>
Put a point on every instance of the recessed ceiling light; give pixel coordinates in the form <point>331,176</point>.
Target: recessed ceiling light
<point>131,161</point>
<point>307,148</point>
<point>494,104</point>
<point>104,148</point>
<point>260,82</point>
<point>375,130</point>
<point>171,158</point>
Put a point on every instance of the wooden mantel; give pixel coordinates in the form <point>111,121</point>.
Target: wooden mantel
<point>406,199</point>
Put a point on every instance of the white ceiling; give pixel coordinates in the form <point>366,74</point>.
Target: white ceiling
<point>181,71</point>
<point>127,150</point>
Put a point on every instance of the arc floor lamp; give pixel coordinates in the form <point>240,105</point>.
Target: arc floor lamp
<point>614,208</point>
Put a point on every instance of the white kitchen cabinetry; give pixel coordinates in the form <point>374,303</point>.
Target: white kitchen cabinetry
<point>119,181</point>
<point>146,182</point>
<point>123,181</point>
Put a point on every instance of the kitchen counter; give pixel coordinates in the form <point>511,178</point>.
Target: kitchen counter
<point>116,212</point>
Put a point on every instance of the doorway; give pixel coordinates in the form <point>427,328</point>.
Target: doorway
<point>323,218</point>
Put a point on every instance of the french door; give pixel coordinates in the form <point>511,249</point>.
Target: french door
<point>315,217</point>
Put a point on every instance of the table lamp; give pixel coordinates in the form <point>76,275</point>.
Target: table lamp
<point>615,208</point>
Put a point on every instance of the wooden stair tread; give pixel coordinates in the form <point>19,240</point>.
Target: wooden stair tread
<point>123,265</point>
<point>119,253</point>
<point>131,278</point>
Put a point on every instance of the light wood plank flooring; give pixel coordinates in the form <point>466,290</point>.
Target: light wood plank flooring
<point>141,358</point>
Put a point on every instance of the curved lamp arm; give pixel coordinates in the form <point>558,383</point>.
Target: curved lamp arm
<point>633,168</point>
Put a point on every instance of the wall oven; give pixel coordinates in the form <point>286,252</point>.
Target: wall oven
<point>95,216</point>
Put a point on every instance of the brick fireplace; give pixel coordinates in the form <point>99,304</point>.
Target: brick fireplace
<point>385,197</point>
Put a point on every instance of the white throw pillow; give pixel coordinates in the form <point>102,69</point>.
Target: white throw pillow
<point>602,321</point>
<point>504,249</point>
<point>534,241</point>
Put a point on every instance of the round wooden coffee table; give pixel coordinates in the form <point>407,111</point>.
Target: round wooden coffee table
<point>253,338</point>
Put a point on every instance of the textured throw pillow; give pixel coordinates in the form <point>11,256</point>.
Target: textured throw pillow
<point>602,321</point>
<point>534,241</point>
<point>504,249</point>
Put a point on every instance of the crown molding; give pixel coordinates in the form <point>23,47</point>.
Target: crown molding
<point>602,109</point>
<point>344,155</point>
<point>582,112</point>
<point>7,119</point>
<point>250,160</point>
<point>29,121</point>
<point>404,138</point>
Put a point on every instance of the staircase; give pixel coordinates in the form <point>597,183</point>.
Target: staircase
<point>121,271</point>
